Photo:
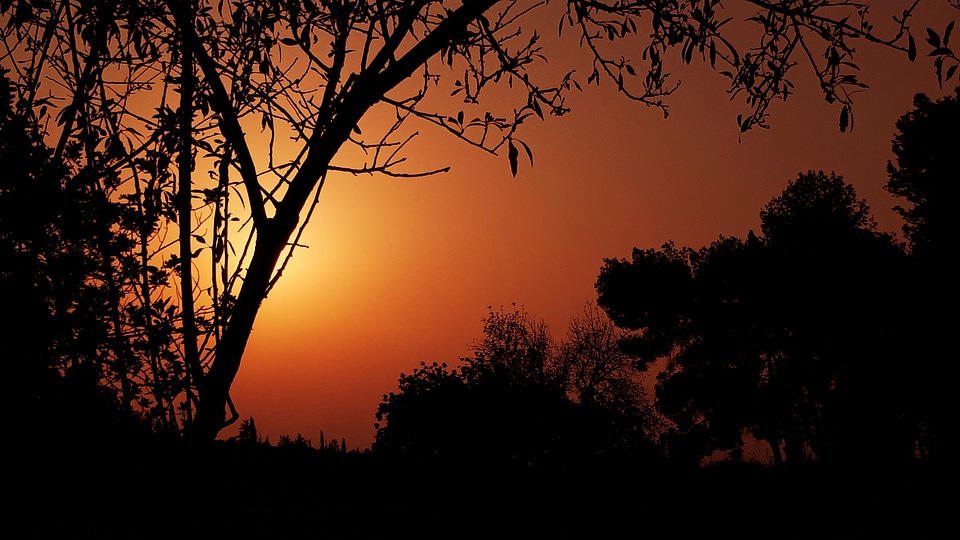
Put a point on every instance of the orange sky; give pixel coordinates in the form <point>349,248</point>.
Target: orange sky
<point>402,271</point>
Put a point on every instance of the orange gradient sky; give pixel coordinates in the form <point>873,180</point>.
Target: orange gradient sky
<point>401,271</point>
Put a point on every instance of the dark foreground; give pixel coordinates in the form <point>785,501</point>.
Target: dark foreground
<point>228,491</point>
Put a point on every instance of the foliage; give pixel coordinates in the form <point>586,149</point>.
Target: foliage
<point>790,337</point>
<point>64,251</point>
<point>927,173</point>
<point>522,401</point>
<point>299,443</point>
<point>633,304</point>
<point>926,176</point>
<point>516,348</point>
<point>816,209</point>
<point>504,405</point>
<point>49,228</point>
<point>942,53</point>
<point>421,416</point>
<point>160,105</point>
<point>248,433</point>
<point>596,369</point>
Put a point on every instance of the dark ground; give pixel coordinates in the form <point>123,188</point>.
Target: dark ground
<point>229,491</point>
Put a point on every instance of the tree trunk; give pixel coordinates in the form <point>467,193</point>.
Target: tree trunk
<point>274,233</point>
<point>214,388</point>
<point>188,322</point>
<point>775,448</point>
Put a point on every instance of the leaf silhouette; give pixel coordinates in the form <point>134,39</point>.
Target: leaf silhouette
<point>512,155</point>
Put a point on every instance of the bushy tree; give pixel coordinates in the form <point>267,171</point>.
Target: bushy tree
<point>62,244</point>
<point>789,337</point>
<point>927,174</point>
<point>599,373</point>
<point>522,401</point>
<point>248,435</point>
<point>516,348</point>
<point>504,405</point>
<point>49,226</point>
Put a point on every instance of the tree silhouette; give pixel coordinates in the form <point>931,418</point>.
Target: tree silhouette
<point>517,348</point>
<point>421,417</point>
<point>926,175</point>
<point>59,238</point>
<point>248,435</point>
<point>790,337</point>
<point>597,370</point>
<point>502,406</point>
<point>836,298</point>
<point>522,401</point>
<point>145,93</point>
<point>48,225</point>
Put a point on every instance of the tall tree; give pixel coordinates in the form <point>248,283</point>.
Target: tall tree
<point>138,82</point>
<point>60,237</point>
<point>927,175</point>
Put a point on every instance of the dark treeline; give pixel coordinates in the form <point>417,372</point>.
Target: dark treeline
<point>822,339</point>
<point>523,401</point>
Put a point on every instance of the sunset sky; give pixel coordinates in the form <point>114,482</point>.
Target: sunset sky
<point>402,271</point>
